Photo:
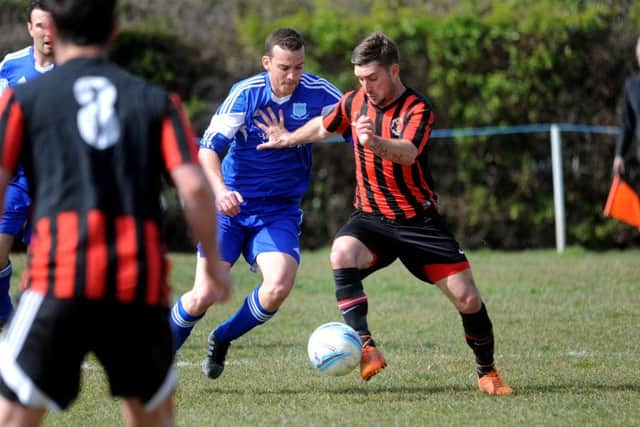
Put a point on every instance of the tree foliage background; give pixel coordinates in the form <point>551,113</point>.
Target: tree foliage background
<point>481,63</point>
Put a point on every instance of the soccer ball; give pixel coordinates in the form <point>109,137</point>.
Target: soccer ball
<point>334,349</point>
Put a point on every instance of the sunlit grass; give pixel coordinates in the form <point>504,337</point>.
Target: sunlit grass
<point>567,339</point>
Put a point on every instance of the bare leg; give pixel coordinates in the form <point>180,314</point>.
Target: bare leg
<point>136,416</point>
<point>197,300</point>
<point>278,275</point>
<point>15,415</point>
<point>461,290</point>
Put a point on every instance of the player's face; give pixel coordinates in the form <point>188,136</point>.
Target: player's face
<point>285,68</point>
<point>377,81</point>
<point>40,29</point>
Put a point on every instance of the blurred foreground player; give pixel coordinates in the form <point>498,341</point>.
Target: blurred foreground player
<point>95,142</point>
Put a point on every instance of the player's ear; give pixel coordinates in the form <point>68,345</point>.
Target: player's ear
<point>30,28</point>
<point>395,70</point>
<point>266,62</point>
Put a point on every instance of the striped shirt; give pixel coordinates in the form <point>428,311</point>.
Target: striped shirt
<point>383,187</point>
<point>95,142</point>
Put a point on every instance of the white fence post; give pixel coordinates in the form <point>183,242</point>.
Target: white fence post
<point>558,187</point>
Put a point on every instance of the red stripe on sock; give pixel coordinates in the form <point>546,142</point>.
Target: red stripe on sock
<point>346,303</point>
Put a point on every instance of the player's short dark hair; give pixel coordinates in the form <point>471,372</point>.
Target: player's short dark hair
<point>376,47</point>
<point>83,22</point>
<point>285,38</point>
<point>35,4</point>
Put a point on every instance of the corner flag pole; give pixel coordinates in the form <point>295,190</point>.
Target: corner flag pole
<point>558,187</point>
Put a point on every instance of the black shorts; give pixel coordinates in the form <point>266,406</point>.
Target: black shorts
<point>43,349</point>
<point>424,244</point>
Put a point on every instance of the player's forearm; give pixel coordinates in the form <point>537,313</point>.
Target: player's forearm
<point>312,131</point>
<point>628,122</point>
<point>198,205</point>
<point>211,165</point>
<point>622,146</point>
<point>396,150</point>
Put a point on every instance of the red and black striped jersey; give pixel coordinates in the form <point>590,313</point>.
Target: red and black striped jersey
<point>383,187</point>
<point>95,142</point>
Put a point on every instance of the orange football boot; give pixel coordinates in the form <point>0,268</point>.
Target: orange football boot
<point>492,383</point>
<point>371,362</point>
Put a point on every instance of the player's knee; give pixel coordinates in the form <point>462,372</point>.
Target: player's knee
<point>341,258</point>
<point>276,293</point>
<point>197,303</point>
<point>469,303</point>
<point>349,252</point>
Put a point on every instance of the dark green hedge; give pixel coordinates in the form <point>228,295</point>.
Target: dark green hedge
<point>482,63</point>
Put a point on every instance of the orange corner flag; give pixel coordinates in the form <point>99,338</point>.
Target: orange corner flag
<point>623,203</point>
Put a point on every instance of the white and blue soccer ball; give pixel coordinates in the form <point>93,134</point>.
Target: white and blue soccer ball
<point>334,349</point>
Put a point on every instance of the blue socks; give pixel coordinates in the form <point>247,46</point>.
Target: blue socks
<point>6,307</point>
<point>250,315</point>
<point>181,324</point>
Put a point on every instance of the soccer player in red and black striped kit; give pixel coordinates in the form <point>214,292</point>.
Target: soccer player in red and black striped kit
<point>95,142</point>
<point>396,212</point>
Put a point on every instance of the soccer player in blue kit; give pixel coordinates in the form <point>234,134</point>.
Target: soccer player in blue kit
<point>258,193</point>
<point>16,68</point>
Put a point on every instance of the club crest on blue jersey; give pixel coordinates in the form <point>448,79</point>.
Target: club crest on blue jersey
<point>299,111</point>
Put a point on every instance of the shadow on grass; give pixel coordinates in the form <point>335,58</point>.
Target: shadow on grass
<point>581,389</point>
<point>420,391</point>
<point>355,390</point>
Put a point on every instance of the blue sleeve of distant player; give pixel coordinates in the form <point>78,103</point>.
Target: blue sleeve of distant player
<point>217,143</point>
<point>4,79</point>
<point>227,121</point>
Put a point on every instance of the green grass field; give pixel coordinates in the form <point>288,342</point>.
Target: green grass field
<point>567,338</point>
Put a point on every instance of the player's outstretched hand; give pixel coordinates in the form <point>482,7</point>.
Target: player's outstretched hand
<point>273,126</point>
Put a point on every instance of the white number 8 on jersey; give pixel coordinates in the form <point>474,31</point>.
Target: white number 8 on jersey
<point>97,121</point>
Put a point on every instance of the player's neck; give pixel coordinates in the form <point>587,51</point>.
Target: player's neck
<point>66,52</point>
<point>396,92</point>
<point>41,59</point>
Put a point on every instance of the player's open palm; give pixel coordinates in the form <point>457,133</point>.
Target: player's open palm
<point>273,126</point>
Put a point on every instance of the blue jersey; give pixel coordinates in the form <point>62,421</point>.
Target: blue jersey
<point>282,173</point>
<point>16,68</point>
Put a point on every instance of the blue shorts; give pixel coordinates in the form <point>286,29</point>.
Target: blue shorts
<point>258,228</point>
<point>15,214</point>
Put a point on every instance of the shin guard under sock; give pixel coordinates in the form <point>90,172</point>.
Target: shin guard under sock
<point>478,332</point>
<point>181,324</point>
<point>250,315</point>
<point>352,301</point>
